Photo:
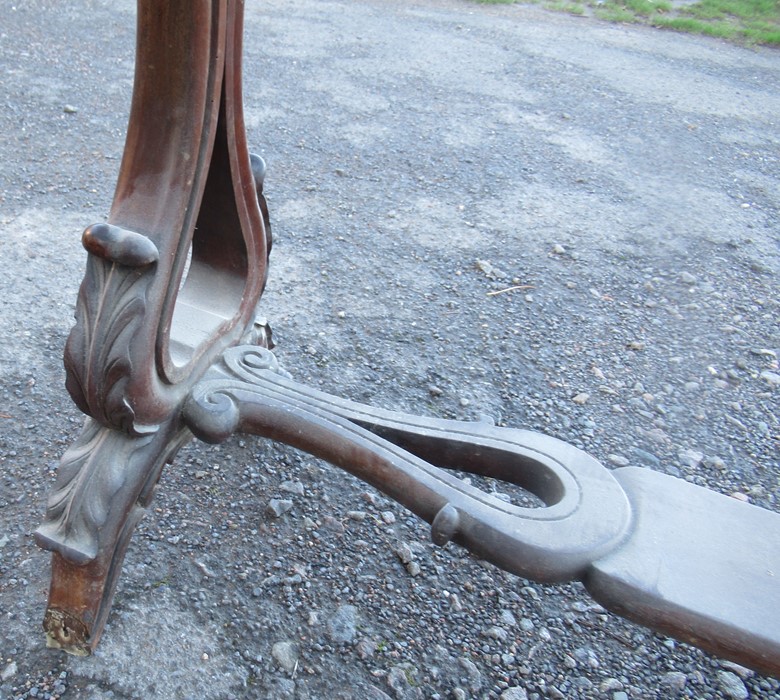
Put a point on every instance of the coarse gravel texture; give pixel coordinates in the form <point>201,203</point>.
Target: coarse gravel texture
<point>479,212</point>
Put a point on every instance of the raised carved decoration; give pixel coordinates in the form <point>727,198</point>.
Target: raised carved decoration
<point>100,478</point>
<point>403,455</point>
<point>109,312</point>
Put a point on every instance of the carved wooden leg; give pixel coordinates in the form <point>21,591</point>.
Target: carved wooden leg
<point>172,279</point>
<point>104,486</point>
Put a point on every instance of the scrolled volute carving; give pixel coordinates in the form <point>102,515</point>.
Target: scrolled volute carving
<point>250,363</point>
<point>213,411</point>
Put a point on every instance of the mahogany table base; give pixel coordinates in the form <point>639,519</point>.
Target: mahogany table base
<point>166,346</point>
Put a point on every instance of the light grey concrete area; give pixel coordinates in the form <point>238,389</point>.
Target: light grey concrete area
<point>479,212</point>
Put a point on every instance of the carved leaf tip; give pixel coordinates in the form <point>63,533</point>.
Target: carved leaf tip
<point>120,245</point>
<point>91,472</point>
<point>79,550</point>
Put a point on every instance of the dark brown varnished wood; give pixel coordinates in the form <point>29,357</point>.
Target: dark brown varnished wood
<point>166,346</point>
<point>173,278</point>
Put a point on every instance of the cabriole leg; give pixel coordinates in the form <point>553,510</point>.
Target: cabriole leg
<point>105,485</point>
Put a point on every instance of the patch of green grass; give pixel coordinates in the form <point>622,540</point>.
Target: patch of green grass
<point>573,8</point>
<point>696,26</point>
<point>613,13</point>
<point>646,8</point>
<point>756,21</point>
<point>768,36</point>
<point>743,9</point>
<point>410,679</point>
<point>745,21</point>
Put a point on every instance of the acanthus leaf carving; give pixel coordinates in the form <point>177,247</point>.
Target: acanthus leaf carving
<point>109,312</point>
<point>100,478</point>
<point>91,472</point>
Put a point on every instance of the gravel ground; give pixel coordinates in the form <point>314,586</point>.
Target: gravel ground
<point>478,211</point>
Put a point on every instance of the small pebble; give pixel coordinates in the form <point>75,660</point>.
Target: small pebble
<point>294,487</point>
<point>507,618</point>
<point>741,671</point>
<point>690,458</point>
<point>278,507</point>
<point>732,686</point>
<point>286,655</point>
<point>771,378</point>
<point>646,458</point>
<point>9,671</point>
<point>687,278</point>
<point>365,648</point>
<point>404,552</point>
<point>498,633</point>
<point>610,684</point>
<point>342,626</point>
<point>674,680</point>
